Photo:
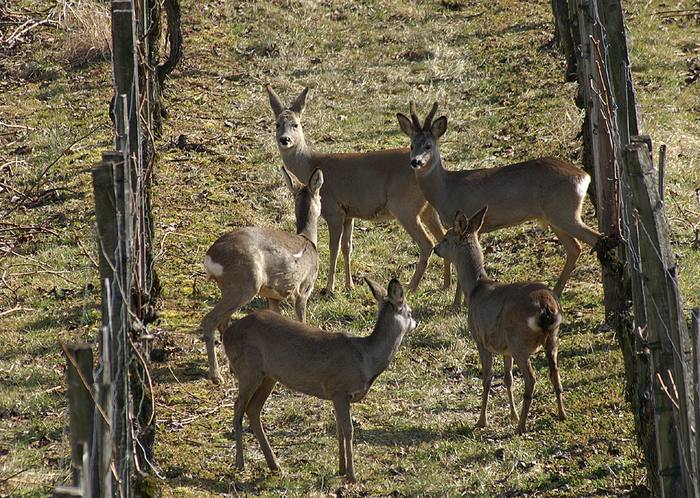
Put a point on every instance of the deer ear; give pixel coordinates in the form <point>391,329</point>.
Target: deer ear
<point>439,127</point>
<point>275,102</point>
<point>405,124</point>
<point>299,103</point>
<point>378,291</point>
<point>293,183</point>
<point>395,292</point>
<point>477,220</point>
<point>316,181</point>
<point>461,223</point>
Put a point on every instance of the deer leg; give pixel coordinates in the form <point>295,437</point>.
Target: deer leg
<point>487,375</point>
<point>431,220</point>
<point>457,301</point>
<point>523,362</point>
<point>335,232</point>
<point>508,381</point>
<point>274,305</point>
<point>342,466</point>
<point>344,420</point>
<point>551,350</point>
<point>573,249</point>
<point>230,302</point>
<point>253,410</point>
<point>300,307</point>
<point>415,229</point>
<point>246,388</point>
<point>346,245</point>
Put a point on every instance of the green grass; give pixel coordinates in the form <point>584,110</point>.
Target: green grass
<point>489,66</point>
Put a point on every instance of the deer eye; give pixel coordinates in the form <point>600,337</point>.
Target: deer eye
<point>278,125</point>
<point>428,147</point>
<point>295,125</point>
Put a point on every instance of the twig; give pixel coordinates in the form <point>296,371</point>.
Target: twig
<point>16,308</point>
<point>21,127</point>
<point>673,400</point>
<point>86,253</point>
<point>51,165</point>
<point>12,476</point>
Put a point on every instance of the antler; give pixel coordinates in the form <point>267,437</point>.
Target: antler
<point>430,116</point>
<point>414,117</point>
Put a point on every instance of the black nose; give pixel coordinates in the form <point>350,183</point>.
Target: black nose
<point>285,140</point>
<point>416,163</point>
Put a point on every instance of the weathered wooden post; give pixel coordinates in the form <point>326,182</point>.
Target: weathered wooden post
<point>81,407</point>
<point>666,328</point>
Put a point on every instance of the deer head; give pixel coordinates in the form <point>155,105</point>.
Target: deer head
<point>289,133</point>
<point>425,151</point>
<point>462,241</point>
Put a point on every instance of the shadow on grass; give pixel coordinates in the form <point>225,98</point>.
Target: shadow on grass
<point>71,318</point>
<point>185,371</point>
<point>225,485</point>
<point>391,437</point>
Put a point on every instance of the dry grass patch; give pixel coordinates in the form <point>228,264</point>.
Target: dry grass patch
<point>89,37</point>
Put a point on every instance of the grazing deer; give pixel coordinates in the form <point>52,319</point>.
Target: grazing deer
<point>367,185</point>
<point>264,348</point>
<point>547,189</point>
<point>513,320</point>
<point>271,263</point>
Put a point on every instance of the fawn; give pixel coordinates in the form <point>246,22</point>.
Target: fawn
<point>274,264</point>
<point>264,348</point>
<point>513,320</point>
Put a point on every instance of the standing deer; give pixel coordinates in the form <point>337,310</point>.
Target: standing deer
<point>547,189</point>
<point>367,185</point>
<point>264,348</point>
<point>271,263</point>
<point>513,320</point>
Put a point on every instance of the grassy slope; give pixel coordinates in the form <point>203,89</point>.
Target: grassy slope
<point>503,93</point>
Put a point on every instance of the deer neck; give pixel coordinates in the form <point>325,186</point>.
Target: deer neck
<point>433,184</point>
<point>383,343</point>
<point>298,160</point>
<point>469,276</point>
<point>309,230</point>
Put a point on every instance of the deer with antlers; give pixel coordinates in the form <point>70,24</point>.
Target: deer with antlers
<point>367,185</point>
<point>546,189</point>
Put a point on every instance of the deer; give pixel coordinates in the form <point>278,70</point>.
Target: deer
<point>367,185</point>
<point>513,320</point>
<point>548,190</point>
<point>271,263</point>
<point>265,348</point>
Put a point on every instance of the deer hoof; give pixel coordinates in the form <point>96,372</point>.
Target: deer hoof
<point>217,379</point>
<point>325,292</point>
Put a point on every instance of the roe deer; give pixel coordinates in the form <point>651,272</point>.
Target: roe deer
<point>513,320</point>
<point>264,348</point>
<point>367,185</point>
<point>271,263</point>
<point>547,189</point>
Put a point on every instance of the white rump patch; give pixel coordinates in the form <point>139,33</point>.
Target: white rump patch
<point>582,186</point>
<point>213,268</point>
<point>532,323</point>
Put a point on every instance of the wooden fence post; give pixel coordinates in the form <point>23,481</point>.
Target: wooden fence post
<point>666,328</point>
<point>81,407</point>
